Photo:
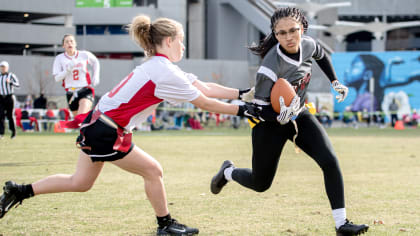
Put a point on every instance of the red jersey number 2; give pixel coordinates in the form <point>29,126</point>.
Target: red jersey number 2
<point>120,85</point>
<point>75,75</point>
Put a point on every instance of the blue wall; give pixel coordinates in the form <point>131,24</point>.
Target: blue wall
<point>395,73</point>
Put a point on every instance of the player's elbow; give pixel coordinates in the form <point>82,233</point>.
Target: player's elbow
<point>203,102</point>
<point>205,105</point>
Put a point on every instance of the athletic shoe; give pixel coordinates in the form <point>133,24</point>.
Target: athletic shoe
<point>219,181</point>
<point>11,196</point>
<point>13,135</point>
<point>349,229</point>
<point>175,228</point>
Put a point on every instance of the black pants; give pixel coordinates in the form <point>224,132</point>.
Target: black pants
<point>394,118</point>
<point>7,104</point>
<point>268,140</point>
<point>85,92</point>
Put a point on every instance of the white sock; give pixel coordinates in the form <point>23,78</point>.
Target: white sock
<point>228,173</point>
<point>339,216</point>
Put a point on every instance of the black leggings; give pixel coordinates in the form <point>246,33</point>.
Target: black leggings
<point>7,104</point>
<point>268,139</point>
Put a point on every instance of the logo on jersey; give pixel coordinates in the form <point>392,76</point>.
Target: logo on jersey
<point>302,83</point>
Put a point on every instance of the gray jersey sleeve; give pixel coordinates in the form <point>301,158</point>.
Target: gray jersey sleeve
<point>318,51</point>
<point>263,89</point>
<point>267,75</point>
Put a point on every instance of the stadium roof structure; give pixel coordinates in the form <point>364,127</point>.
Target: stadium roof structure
<point>342,28</point>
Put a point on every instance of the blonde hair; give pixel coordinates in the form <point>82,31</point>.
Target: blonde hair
<point>148,34</point>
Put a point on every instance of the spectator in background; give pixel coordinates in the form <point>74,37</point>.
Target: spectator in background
<point>40,102</point>
<point>194,121</point>
<point>416,118</point>
<point>393,110</point>
<point>324,117</point>
<point>8,81</point>
<point>349,117</point>
<point>28,102</point>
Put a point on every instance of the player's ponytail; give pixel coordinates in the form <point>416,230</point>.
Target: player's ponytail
<point>148,34</point>
<point>139,30</point>
<point>265,45</point>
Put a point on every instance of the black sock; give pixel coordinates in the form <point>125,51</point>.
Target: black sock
<point>164,220</point>
<point>27,191</point>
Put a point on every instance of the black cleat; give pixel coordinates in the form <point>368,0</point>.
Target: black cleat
<point>11,196</point>
<point>175,228</point>
<point>219,181</point>
<point>349,229</point>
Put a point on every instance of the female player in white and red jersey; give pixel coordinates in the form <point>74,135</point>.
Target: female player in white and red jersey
<point>106,132</point>
<point>71,68</point>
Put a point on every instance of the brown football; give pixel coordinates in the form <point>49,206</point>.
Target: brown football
<point>281,88</point>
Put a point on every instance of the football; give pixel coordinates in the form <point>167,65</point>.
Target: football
<point>281,88</point>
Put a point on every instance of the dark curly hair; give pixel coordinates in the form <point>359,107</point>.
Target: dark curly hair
<point>270,40</point>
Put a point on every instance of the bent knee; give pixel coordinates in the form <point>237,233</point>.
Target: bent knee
<point>154,171</point>
<point>262,187</point>
<point>81,186</point>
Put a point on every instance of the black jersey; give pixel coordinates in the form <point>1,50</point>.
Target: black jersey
<point>276,64</point>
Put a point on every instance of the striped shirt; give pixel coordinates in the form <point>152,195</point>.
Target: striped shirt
<point>7,82</point>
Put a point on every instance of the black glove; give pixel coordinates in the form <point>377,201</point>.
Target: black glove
<point>241,92</point>
<point>250,111</point>
<point>247,95</point>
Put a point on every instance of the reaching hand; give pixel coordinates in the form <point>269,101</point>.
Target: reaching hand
<point>250,111</point>
<point>288,112</point>
<point>247,95</point>
<point>341,89</point>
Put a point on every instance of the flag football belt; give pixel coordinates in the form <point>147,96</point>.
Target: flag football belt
<point>123,141</point>
<point>108,121</point>
<point>308,106</point>
<point>73,89</point>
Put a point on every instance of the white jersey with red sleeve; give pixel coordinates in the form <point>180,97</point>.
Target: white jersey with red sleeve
<point>79,75</point>
<point>135,97</point>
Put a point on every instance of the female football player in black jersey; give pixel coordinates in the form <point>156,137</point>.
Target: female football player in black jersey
<point>286,53</point>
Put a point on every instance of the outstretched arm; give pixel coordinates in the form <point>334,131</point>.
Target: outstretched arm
<point>214,90</point>
<point>213,105</point>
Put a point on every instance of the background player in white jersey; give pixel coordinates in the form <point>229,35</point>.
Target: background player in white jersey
<point>71,68</point>
<point>106,132</point>
<point>287,53</point>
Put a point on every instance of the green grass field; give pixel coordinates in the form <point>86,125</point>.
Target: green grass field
<point>381,169</point>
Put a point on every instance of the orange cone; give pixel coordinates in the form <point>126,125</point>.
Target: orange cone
<point>399,125</point>
<point>58,128</point>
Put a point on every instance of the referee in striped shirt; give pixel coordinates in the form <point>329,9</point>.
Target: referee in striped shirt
<point>8,80</point>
